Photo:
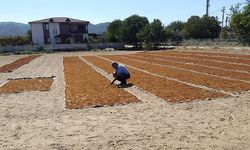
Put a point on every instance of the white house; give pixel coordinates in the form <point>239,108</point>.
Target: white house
<point>59,30</point>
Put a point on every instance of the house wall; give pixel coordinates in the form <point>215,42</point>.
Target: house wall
<point>37,33</point>
<point>54,30</point>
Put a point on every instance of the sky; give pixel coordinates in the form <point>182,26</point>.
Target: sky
<point>98,11</point>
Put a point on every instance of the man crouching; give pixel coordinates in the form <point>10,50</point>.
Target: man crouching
<point>121,74</point>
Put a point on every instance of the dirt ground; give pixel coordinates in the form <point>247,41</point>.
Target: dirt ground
<point>39,120</point>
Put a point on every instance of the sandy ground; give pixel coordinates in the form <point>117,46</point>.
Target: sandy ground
<point>39,120</point>
<point>9,59</point>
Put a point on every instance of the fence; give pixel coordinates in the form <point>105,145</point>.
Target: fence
<point>62,47</point>
<point>210,42</point>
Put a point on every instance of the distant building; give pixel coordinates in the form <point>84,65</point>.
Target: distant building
<point>59,30</point>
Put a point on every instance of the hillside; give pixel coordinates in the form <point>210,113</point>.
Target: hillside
<point>98,28</point>
<point>15,28</point>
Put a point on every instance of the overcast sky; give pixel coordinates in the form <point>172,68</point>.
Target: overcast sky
<point>97,11</point>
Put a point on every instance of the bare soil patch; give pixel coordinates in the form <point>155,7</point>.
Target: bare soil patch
<point>16,64</point>
<point>87,88</point>
<point>26,85</point>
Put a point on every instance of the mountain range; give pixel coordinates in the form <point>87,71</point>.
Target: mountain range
<point>19,29</point>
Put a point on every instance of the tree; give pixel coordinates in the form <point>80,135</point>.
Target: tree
<point>131,27</point>
<point>113,33</point>
<point>174,32</point>
<point>29,35</point>
<point>152,34</point>
<point>205,27</point>
<point>241,25</point>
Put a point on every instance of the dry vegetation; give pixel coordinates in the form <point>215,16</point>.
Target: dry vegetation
<point>86,88</point>
<point>16,64</point>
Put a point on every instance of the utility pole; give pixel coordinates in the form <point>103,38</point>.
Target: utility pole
<point>223,15</point>
<point>207,7</point>
<point>226,21</point>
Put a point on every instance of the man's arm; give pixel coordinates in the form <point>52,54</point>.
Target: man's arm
<point>115,77</point>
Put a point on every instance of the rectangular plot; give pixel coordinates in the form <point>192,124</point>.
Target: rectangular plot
<point>167,89</point>
<point>85,87</point>
<point>201,62</point>
<point>26,85</point>
<point>205,80</point>
<point>245,56</point>
<point>16,64</point>
<point>203,69</point>
<point>183,54</point>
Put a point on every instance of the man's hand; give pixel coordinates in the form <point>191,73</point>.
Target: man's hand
<point>113,81</point>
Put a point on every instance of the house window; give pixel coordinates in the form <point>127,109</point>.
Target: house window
<point>82,28</point>
<point>47,40</point>
<point>45,26</point>
<point>54,31</point>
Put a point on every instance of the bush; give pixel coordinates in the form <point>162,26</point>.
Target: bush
<point>14,41</point>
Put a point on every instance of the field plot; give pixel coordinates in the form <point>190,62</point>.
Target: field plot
<point>187,76</point>
<point>16,64</point>
<point>87,88</point>
<point>181,58</point>
<point>194,67</point>
<point>167,89</point>
<point>215,54</point>
<point>207,57</point>
<point>26,85</point>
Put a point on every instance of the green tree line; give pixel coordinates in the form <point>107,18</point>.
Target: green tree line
<point>137,30</point>
<point>16,40</point>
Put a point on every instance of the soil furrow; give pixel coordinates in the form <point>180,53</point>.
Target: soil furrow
<point>169,90</point>
<point>87,88</point>
<point>204,80</point>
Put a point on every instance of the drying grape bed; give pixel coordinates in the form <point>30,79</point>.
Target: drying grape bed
<point>190,77</point>
<point>16,64</point>
<point>169,90</point>
<point>215,54</point>
<point>26,85</point>
<point>180,58</point>
<point>213,58</point>
<point>203,69</point>
<point>87,88</point>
